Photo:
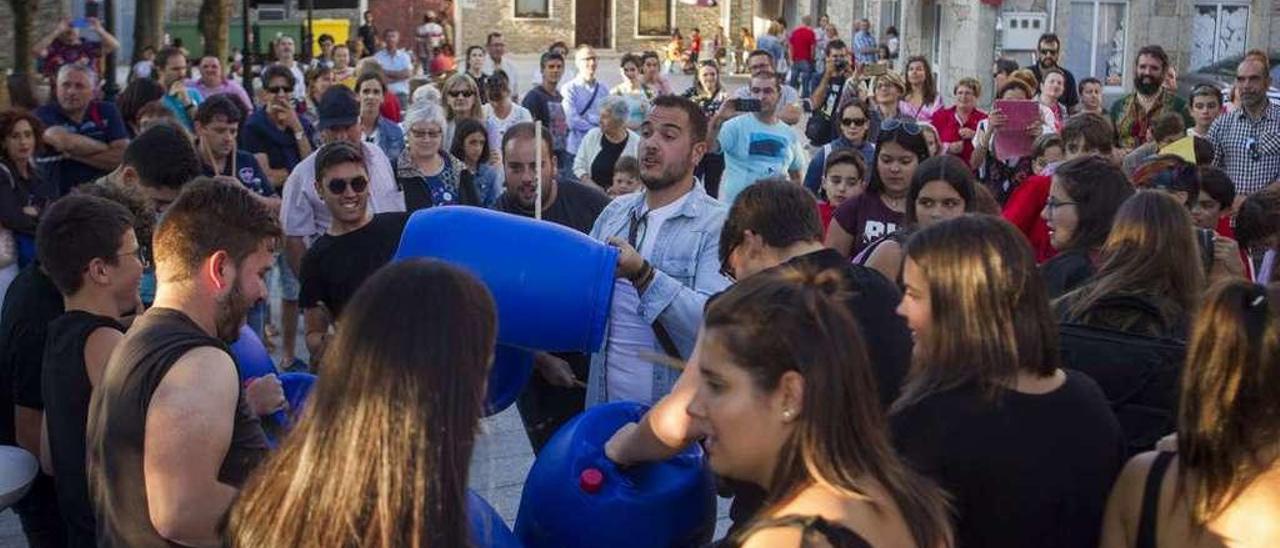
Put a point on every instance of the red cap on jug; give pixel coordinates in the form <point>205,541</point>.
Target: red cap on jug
<point>591,480</point>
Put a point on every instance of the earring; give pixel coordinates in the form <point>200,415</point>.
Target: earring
<point>786,414</point>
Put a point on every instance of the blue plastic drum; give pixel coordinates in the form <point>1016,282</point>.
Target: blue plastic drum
<point>487,528</point>
<point>251,355</point>
<point>511,370</point>
<point>552,284</point>
<point>575,497</point>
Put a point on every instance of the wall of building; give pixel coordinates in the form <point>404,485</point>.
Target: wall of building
<point>480,17</point>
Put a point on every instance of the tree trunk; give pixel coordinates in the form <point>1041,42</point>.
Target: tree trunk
<point>215,26</point>
<point>23,24</point>
<point>148,27</point>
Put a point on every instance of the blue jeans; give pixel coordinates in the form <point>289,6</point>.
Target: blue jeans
<point>801,76</point>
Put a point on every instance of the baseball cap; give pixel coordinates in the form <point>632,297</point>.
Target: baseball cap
<point>338,107</point>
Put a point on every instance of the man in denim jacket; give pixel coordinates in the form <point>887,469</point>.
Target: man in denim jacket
<point>669,238</point>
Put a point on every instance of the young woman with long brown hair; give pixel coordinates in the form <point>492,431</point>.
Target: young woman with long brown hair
<point>380,455</point>
<point>1222,486</point>
<point>1150,254</point>
<point>1027,450</point>
<point>782,384</point>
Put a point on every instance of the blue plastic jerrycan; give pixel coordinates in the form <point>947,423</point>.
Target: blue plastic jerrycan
<point>253,361</point>
<point>552,284</point>
<point>575,497</point>
<point>487,528</point>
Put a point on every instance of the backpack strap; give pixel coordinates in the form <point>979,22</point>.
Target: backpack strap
<point>1151,501</point>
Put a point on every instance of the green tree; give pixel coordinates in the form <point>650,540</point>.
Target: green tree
<point>24,15</point>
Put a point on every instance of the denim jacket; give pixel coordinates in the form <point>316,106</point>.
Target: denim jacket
<point>390,137</point>
<point>686,262</point>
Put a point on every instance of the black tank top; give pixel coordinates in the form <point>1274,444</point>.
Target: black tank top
<point>66,391</point>
<point>117,426</point>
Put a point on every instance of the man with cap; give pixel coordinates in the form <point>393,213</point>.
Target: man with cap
<point>303,214</point>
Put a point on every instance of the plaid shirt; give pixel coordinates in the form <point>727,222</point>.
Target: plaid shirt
<point>1248,150</point>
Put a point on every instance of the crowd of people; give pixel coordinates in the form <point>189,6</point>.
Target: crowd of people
<point>889,329</point>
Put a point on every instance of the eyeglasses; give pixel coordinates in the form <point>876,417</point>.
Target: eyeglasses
<point>1054,203</point>
<point>859,122</point>
<point>358,184</point>
<point>895,124</point>
<point>421,134</point>
<point>140,254</point>
<point>461,93</point>
<point>280,89</point>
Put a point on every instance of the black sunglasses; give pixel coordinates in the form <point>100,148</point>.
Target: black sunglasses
<point>461,93</point>
<point>895,124</point>
<point>1048,52</point>
<point>280,89</point>
<point>358,184</point>
<point>853,122</point>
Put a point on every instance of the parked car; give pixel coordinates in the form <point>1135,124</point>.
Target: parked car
<point>1222,75</point>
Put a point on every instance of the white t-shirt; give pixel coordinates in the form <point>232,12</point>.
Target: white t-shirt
<point>497,127</point>
<point>395,62</point>
<point>629,370</point>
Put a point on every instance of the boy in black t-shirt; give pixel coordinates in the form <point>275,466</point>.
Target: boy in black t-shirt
<point>88,247</point>
<point>356,244</point>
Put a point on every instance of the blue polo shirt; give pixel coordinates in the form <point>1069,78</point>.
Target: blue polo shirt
<point>261,136</point>
<point>245,170</point>
<point>102,122</point>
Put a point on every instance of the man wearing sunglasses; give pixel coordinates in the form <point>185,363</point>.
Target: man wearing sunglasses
<point>1246,141</point>
<point>356,243</point>
<point>303,214</point>
<point>274,133</point>
<point>756,146</point>
<point>1048,52</point>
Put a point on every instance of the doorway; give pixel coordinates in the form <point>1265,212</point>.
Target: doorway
<point>593,23</point>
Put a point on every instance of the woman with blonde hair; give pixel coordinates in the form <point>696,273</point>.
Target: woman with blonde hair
<point>461,100</point>
<point>1222,485</point>
<point>380,455</point>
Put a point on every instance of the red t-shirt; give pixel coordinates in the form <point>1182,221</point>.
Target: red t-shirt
<point>1224,229</point>
<point>802,42</point>
<point>695,44</point>
<point>1023,210</point>
<point>825,211</point>
<point>390,107</point>
<point>949,126</point>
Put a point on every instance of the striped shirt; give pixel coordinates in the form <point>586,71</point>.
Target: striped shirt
<point>1248,150</point>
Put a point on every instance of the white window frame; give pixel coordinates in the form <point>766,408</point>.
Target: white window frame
<point>1093,43</point>
<point>550,12</point>
<point>1218,5</point>
<point>671,21</point>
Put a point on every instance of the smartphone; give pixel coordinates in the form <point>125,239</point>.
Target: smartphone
<point>746,105</point>
<point>80,23</point>
<point>1204,238</point>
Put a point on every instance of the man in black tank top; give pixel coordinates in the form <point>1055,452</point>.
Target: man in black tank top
<point>171,437</point>
<point>88,247</point>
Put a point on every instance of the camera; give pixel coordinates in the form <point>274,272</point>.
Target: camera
<point>841,65</point>
<point>1204,239</point>
<point>747,105</point>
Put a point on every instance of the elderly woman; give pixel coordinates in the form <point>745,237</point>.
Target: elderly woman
<point>602,146</point>
<point>461,100</point>
<point>375,128</point>
<point>428,173</point>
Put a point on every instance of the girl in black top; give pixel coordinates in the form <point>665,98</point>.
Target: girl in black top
<point>1026,450</point>
<point>782,377</point>
<point>1223,483</point>
<point>1083,199</point>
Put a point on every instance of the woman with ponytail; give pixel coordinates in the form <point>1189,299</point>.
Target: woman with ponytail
<point>1222,486</point>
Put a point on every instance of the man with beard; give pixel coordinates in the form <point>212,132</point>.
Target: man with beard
<point>556,394</point>
<point>669,260</point>
<point>1048,51</point>
<point>171,437</point>
<point>1246,141</point>
<point>1133,113</point>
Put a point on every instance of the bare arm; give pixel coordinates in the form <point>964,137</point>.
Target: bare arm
<point>27,424</point>
<point>105,159</point>
<point>38,48</point>
<point>887,259</point>
<point>72,144</point>
<point>109,42</point>
<point>97,350</point>
<point>294,249</point>
<point>666,429</point>
<point>316,321</point>
<point>1118,527</point>
<point>46,455</point>
<point>188,432</point>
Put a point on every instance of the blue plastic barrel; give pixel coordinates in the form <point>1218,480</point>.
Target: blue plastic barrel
<point>253,361</point>
<point>575,497</point>
<point>296,386</point>
<point>487,528</point>
<point>552,284</point>
<point>511,370</point>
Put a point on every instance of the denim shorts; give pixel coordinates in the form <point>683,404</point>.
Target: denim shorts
<point>289,285</point>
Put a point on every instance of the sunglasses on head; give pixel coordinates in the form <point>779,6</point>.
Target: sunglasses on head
<point>894,124</point>
<point>358,184</point>
<point>461,93</point>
